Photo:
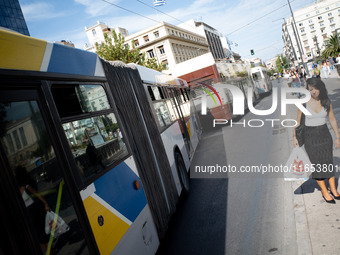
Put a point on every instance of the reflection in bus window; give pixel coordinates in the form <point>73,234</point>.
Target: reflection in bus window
<point>156,93</point>
<point>257,76</point>
<point>96,143</point>
<point>77,99</point>
<point>162,113</point>
<point>33,162</point>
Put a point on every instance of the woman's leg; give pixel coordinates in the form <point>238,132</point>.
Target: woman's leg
<point>332,186</point>
<point>324,190</point>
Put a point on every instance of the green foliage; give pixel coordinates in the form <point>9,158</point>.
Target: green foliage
<point>281,61</point>
<point>241,74</point>
<point>331,47</point>
<point>115,48</point>
<point>271,71</point>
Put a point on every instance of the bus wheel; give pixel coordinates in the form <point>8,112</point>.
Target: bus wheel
<point>182,173</point>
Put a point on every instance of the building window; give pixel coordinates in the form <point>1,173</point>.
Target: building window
<point>310,21</point>
<point>151,53</point>
<point>156,34</point>
<point>136,42</point>
<point>307,15</point>
<point>311,27</point>
<point>16,139</point>
<point>146,38</point>
<point>165,62</point>
<point>23,136</point>
<point>322,30</point>
<point>320,17</point>
<point>331,20</point>
<point>317,12</point>
<point>161,50</point>
<point>94,33</point>
<point>333,26</point>
<point>329,14</point>
<point>301,24</point>
<point>327,8</point>
<point>322,24</point>
<point>302,30</point>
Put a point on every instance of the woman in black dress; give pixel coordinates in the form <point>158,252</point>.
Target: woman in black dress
<point>318,140</point>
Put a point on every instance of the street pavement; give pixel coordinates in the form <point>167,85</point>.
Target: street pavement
<point>317,222</point>
<point>254,214</point>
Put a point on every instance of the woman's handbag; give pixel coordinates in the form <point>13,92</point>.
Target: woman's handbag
<point>300,130</point>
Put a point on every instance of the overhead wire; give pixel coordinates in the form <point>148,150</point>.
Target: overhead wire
<point>259,18</point>
<point>163,13</point>
<point>125,9</point>
<point>184,22</point>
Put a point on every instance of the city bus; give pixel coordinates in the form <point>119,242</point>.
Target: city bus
<point>105,146</point>
<point>261,78</point>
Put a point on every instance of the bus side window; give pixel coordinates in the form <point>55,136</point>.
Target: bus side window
<point>151,93</point>
<point>161,92</point>
<point>34,163</point>
<point>96,140</point>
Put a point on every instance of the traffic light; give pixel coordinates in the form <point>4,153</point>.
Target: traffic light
<point>252,52</point>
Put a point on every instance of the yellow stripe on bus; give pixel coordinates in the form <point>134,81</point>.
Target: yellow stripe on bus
<point>109,234</point>
<point>21,52</point>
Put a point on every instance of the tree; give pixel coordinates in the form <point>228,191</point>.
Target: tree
<point>331,47</point>
<point>115,48</point>
<point>281,62</point>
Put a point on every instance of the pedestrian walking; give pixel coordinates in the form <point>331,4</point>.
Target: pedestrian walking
<point>331,61</point>
<point>296,82</point>
<point>338,59</point>
<point>302,76</point>
<point>316,71</point>
<point>325,69</point>
<point>318,140</point>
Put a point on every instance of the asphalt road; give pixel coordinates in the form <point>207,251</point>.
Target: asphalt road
<point>237,213</point>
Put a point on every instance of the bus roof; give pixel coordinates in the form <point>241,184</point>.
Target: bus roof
<point>20,52</point>
<point>258,68</point>
<point>155,77</point>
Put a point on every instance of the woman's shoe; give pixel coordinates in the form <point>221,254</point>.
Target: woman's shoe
<point>335,197</point>
<point>329,201</point>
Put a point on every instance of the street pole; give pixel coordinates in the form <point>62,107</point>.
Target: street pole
<point>317,44</point>
<point>297,39</point>
<point>290,40</point>
<point>313,55</point>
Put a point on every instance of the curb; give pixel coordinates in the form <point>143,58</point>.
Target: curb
<point>303,239</point>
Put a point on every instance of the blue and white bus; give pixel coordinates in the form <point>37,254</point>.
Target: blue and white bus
<point>261,78</point>
<point>104,145</point>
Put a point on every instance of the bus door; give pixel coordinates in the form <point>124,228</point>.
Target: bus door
<point>32,165</point>
<point>178,101</point>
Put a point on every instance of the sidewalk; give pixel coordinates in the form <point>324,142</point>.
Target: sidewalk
<point>318,223</point>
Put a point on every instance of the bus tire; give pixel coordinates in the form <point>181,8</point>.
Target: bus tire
<point>182,174</point>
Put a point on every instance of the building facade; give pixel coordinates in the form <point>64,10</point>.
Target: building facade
<point>11,16</point>
<point>95,34</point>
<point>314,24</point>
<point>211,34</point>
<point>167,43</point>
<point>66,43</point>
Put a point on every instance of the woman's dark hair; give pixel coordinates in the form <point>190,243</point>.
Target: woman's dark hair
<point>323,96</point>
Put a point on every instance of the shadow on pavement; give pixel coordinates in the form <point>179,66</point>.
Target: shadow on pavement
<point>199,224</point>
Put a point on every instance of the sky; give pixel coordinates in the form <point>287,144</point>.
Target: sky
<point>248,24</point>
